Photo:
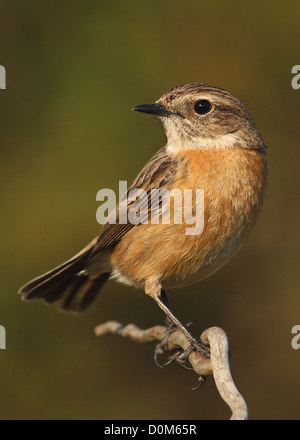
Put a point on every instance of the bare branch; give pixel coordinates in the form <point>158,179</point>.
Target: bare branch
<point>219,349</point>
<point>217,365</point>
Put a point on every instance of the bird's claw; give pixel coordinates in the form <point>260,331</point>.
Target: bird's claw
<point>180,356</point>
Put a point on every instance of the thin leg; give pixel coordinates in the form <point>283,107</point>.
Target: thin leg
<point>162,302</point>
<point>165,300</point>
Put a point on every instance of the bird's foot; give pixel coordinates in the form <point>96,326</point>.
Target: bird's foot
<point>179,355</point>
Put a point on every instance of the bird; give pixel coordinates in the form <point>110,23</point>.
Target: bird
<point>212,144</point>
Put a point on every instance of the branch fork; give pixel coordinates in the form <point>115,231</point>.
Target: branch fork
<point>217,366</point>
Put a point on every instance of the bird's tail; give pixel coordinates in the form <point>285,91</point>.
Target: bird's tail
<point>75,292</point>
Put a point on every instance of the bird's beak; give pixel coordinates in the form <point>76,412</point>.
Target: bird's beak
<point>153,109</point>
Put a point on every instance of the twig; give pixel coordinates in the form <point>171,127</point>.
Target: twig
<point>217,365</point>
<point>219,348</point>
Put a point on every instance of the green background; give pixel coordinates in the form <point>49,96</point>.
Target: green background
<point>74,71</point>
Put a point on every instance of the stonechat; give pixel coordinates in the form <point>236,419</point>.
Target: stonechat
<point>212,144</point>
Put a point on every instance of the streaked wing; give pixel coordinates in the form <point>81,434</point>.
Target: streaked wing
<point>158,173</point>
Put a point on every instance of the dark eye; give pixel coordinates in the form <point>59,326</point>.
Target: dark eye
<point>202,107</point>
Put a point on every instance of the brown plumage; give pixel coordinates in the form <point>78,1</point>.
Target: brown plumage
<point>212,144</point>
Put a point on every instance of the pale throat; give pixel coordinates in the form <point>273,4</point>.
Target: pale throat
<point>178,140</point>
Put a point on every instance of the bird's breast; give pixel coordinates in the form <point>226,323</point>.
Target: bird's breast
<point>233,183</point>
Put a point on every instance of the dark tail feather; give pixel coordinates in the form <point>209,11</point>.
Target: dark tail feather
<point>76,292</point>
<point>80,294</point>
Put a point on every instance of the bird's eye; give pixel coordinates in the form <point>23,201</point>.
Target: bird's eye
<point>202,107</point>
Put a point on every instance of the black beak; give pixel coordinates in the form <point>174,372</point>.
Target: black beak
<point>152,109</point>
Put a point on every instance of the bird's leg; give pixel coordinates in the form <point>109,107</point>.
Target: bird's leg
<point>163,344</point>
<point>154,289</point>
<point>162,302</point>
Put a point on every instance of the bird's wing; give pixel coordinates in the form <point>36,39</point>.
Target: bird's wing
<point>158,173</point>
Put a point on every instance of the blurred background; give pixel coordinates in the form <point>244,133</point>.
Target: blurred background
<point>74,71</point>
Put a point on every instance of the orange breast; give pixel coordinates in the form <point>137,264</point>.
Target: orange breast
<point>234,183</point>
